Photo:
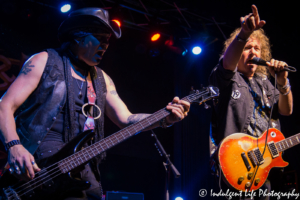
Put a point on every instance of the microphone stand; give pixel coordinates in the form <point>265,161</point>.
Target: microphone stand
<point>167,164</point>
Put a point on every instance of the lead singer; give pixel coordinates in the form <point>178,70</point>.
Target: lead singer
<point>246,94</point>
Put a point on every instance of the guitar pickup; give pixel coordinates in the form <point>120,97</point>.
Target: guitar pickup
<point>246,161</point>
<point>252,158</point>
<point>256,156</point>
<point>273,150</point>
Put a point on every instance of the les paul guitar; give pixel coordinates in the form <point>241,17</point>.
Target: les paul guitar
<point>240,156</point>
<point>55,177</point>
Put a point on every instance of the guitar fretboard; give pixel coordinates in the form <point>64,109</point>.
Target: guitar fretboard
<point>91,151</point>
<point>288,142</point>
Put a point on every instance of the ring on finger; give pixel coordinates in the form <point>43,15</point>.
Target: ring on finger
<point>32,162</point>
<point>11,170</point>
<point>17,170</point>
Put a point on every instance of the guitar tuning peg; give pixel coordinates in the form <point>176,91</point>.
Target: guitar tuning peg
<point>192,90</point>
<point>206,106</point>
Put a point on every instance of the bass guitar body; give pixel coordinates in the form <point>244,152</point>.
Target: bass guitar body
<point>243,165</point>
<point>51,183</point>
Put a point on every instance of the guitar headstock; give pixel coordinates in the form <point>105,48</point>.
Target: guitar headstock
<point>205,94</point>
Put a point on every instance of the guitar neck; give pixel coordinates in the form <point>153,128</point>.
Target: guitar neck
<point>288,142</point>
<point>92,151</point>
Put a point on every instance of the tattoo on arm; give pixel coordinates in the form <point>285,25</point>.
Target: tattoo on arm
<point>26,68</point>
<point>114,92</point>
<point>136,117</point>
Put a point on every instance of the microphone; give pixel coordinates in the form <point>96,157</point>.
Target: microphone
<point>259,61</point>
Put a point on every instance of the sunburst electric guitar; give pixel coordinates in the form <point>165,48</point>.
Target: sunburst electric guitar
<point>55,178</point>
<point>240,157</point>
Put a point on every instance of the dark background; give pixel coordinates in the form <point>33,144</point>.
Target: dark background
<point>147,83</point>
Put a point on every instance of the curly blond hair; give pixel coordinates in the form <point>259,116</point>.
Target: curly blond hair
<point>264,45</point>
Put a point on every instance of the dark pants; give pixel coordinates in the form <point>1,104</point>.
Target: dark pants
<point>95,192</point>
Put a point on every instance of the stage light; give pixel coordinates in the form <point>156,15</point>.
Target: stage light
<point>117,22</point>
<point>65,8</point>
<point>155,37</point>
<point>178,198</point>
<point>197,50</point>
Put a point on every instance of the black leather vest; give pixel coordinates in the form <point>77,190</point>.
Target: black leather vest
<point>36,115</point>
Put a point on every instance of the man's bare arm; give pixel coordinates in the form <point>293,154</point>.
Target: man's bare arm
<point>15,96</point>
<point>118,112</point>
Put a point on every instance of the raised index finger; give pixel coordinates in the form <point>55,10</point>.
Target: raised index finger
<point>255,13</point>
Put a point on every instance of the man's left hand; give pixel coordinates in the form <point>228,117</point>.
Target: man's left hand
<point>179,110</point>
<point>276,66</point>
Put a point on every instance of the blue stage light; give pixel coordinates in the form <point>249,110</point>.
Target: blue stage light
<point>178,198</point>
<point>65,8</point>
<point>197,50</point>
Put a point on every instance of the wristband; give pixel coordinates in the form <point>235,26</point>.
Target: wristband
<point>11,143</point>
<point>286,92</point>
<point>241,40</point>
<point>285,86</point>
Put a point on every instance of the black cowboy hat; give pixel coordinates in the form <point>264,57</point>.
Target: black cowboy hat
<point>90,18</point>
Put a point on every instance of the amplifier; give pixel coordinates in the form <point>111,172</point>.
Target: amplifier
<point>124,196</point>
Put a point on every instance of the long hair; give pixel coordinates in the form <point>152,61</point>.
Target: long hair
<point>264,45</point>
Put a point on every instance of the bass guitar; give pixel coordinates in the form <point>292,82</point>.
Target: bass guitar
<point>55,177</point>
<point>243,163</point>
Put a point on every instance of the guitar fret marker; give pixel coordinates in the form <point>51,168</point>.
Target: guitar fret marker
<point>287,143</point>
<point>111,141</point>
<point>101,147</point>
<point>122,135</point>
<point>291,141</point>
<point>280,145</point>
<point>97,150</point>
<point>141,125</point>
<point>128,132</point>
<point>149,122</point>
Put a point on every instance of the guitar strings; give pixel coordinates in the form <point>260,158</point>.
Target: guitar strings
<point>45,174</point>
<point>69,160</point>
<point>72,159</point>
<point>89,150</point>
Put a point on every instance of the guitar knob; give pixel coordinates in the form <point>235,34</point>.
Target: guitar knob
<point>250,175</point>
<point>240,180</point>
<point>257,180</point>
<point>248,184</point>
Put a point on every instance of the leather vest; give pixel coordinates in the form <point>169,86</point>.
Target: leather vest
<point>37,114</point>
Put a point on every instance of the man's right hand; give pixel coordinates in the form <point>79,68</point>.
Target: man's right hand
<point>21,162</point>
<point>251,22</point>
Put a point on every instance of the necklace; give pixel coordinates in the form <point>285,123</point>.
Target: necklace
<point>80,87</point>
